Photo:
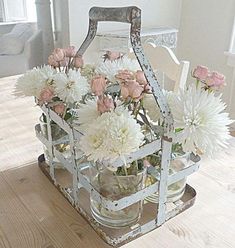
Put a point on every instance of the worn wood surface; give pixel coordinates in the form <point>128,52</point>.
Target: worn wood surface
<point>33,214</point>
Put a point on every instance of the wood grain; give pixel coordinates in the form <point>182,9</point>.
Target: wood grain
<point>34,214</point>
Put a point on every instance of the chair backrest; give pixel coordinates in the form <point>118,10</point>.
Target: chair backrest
<point>164,60</point>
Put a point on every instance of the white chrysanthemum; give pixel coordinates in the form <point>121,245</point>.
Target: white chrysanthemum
<point>152,109</point>
<point>111,135</point>
<point>110,68</point>
<point>199,114</point>
<point>70,88</point>
<point>33,81</point>
<point>86,113</point>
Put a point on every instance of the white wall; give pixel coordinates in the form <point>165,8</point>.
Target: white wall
<point>204,36</point>
<point>155,13</point>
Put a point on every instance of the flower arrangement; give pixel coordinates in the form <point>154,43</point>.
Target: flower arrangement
<point>112,105</point>
<point>115,108</point>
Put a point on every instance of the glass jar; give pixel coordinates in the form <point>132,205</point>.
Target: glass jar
<point>176,190</point>
<point>57,134</point>
<point>114,185</point>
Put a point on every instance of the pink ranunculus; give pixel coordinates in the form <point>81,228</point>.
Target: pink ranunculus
<point>124,75</point>
<point>58,54</point>
<point>215,80</point>
<point>132,89</point>
<point>52,61</point>
<point>98,85</point>
<point>46,94</point>
<point>201,72</point>
<point>113,55</point>
<point>140,78</point>
<point>78,62</point>
<point>105,104</point>
<point>70,51</point>
<point>59,108</point>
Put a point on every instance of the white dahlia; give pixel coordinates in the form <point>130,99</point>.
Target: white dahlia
<point>110,68</point>
<point>111,135</point>
<point>33,81</point>
<point>199,114</point>
<point>86,114</point>
<point>70,87</point>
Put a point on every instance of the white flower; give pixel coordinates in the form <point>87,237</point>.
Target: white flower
<point>111,135</point>
<point>70,88</point>
<point>33,81</point>
<point>199,114</point>
<point>86,113</point>
<point>110,68</point>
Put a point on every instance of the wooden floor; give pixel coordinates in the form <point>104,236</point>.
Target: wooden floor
<point>34,215</point>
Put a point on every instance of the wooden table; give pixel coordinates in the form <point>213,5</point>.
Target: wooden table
<point>33,214</point>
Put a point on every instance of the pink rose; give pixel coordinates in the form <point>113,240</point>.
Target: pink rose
<point>132,89</point>
<point>98,85</point>
<point>70,51</point>
<point>215,80</point>
<point>52,61</point>
<point>105,104</point>
<point>140,78</point>
<point>58,54</point>
<point>124,75</point>
<point>201,72</point>
<point>113,55</point>
<point>59,108</point>
<point>46,94</point>
<point>78,62</point>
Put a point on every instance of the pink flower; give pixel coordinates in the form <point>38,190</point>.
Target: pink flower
<point>124,75</point>
<point>59,108</point>
<point>78,62</point>
<point>140,78</point>
<point>98,85</point>
<point>58,54</point>
<point>215,80</point>
<point>46,94</point>
<point>105,104</point>
<point>70,51</point>
<point>132,89</point>
<point>201,72</point>
<point>52,61</point>
<point>113,55</point>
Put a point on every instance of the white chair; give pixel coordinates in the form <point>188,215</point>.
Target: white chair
<point>162,59</point>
